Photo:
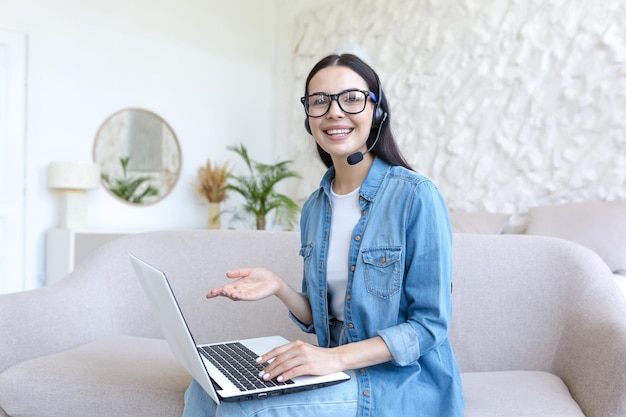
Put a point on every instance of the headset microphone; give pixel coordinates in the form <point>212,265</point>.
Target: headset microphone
<point>357,157</point>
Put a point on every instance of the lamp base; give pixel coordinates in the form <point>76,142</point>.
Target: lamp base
<point>73,209</point>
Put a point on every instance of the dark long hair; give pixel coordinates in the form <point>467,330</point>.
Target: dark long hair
<point>386,148</point>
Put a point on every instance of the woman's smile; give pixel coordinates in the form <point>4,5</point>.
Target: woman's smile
<point>337,133</point>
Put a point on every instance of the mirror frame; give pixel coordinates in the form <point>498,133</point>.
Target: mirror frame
<point>175,176</point>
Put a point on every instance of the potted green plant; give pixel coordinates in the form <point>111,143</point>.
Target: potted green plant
<point>257,188</point>
<point>213,180</point>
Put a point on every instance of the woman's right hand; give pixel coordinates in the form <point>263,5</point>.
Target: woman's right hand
<point>250,284</point>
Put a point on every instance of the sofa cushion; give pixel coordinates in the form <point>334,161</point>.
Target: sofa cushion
<point>599,226</point>
<point>517,394</point>
<point>115,376</point>
<point>478,222</point>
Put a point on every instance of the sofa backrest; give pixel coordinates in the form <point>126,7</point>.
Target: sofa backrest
<point>512,294</point>
<point>196,261</point>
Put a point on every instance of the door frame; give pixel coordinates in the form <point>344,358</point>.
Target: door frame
<point>13,49</point>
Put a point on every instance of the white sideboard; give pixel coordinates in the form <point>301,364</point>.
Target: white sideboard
<point>67,248</point>
<point>621,281</point>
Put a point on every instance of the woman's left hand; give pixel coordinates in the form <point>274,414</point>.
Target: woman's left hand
<point>298,358</point>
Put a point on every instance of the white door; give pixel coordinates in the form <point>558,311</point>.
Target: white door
<point>12,160</point>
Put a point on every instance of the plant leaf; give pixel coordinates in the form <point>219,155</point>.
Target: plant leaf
<point>257,188</point>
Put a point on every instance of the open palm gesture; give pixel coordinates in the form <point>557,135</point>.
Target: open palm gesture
<point>249,284</point>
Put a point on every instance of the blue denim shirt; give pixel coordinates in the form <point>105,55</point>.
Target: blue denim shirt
<point>399,288</point>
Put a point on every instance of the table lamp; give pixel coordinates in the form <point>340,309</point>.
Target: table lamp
<point>73,179</point>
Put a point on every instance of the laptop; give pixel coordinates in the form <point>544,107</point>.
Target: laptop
<point>226,371</point>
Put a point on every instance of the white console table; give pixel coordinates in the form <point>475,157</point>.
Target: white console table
<point>67,248</point>
<point>621,281</point>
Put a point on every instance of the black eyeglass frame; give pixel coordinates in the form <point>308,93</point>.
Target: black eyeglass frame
<point>335,97</point>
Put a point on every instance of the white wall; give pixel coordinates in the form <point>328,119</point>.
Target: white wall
<point>195,63</point>
<point>505,104</point>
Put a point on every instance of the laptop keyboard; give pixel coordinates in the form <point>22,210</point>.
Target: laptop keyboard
<point>238,364</point>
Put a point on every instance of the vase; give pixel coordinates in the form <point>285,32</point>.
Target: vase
<point>214,216</point>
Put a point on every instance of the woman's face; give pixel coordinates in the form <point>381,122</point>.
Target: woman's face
<point>339,133</point>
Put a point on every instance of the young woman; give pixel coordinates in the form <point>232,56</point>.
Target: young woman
<point>377,251</point>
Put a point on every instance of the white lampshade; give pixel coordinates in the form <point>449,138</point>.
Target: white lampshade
<point>73,175</point>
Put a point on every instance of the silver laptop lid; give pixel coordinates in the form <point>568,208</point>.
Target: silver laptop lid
<point>167,312</point>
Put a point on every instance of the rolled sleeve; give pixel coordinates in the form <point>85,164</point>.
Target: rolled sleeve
<point>403,343</point>
<point>307,329</point>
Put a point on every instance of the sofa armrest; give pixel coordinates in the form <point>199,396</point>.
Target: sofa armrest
<point>591,356</point>
<point>51,319</point>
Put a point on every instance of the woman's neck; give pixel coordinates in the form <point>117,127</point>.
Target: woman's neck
<point>350,177</point>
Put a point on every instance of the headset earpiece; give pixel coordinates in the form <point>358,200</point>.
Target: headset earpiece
<point>379,115</point>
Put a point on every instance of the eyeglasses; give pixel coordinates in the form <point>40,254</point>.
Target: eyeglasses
<point>350,101</point>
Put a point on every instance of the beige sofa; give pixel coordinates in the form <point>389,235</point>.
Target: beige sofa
<point>596,225</point>
<point>539,326</point>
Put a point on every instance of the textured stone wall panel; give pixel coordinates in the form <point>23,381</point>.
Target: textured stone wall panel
<point>505,104</point>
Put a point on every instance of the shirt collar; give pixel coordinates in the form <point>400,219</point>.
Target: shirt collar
<point>373,181</point>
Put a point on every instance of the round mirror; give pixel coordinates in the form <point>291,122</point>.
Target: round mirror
<point>139,156</point>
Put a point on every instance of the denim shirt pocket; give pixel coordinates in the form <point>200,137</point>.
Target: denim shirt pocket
<point>383,270</point>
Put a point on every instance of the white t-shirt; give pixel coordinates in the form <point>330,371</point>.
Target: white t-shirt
<point>346,214</point>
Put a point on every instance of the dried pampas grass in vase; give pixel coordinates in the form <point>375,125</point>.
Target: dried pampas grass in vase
<point>213,181</point>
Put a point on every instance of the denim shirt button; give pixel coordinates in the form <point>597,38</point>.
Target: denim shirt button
<point>366,393</point>
<point>357,237</point>
<point>351,326</point>
<point>352,268</point>
<point>348,296</point>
